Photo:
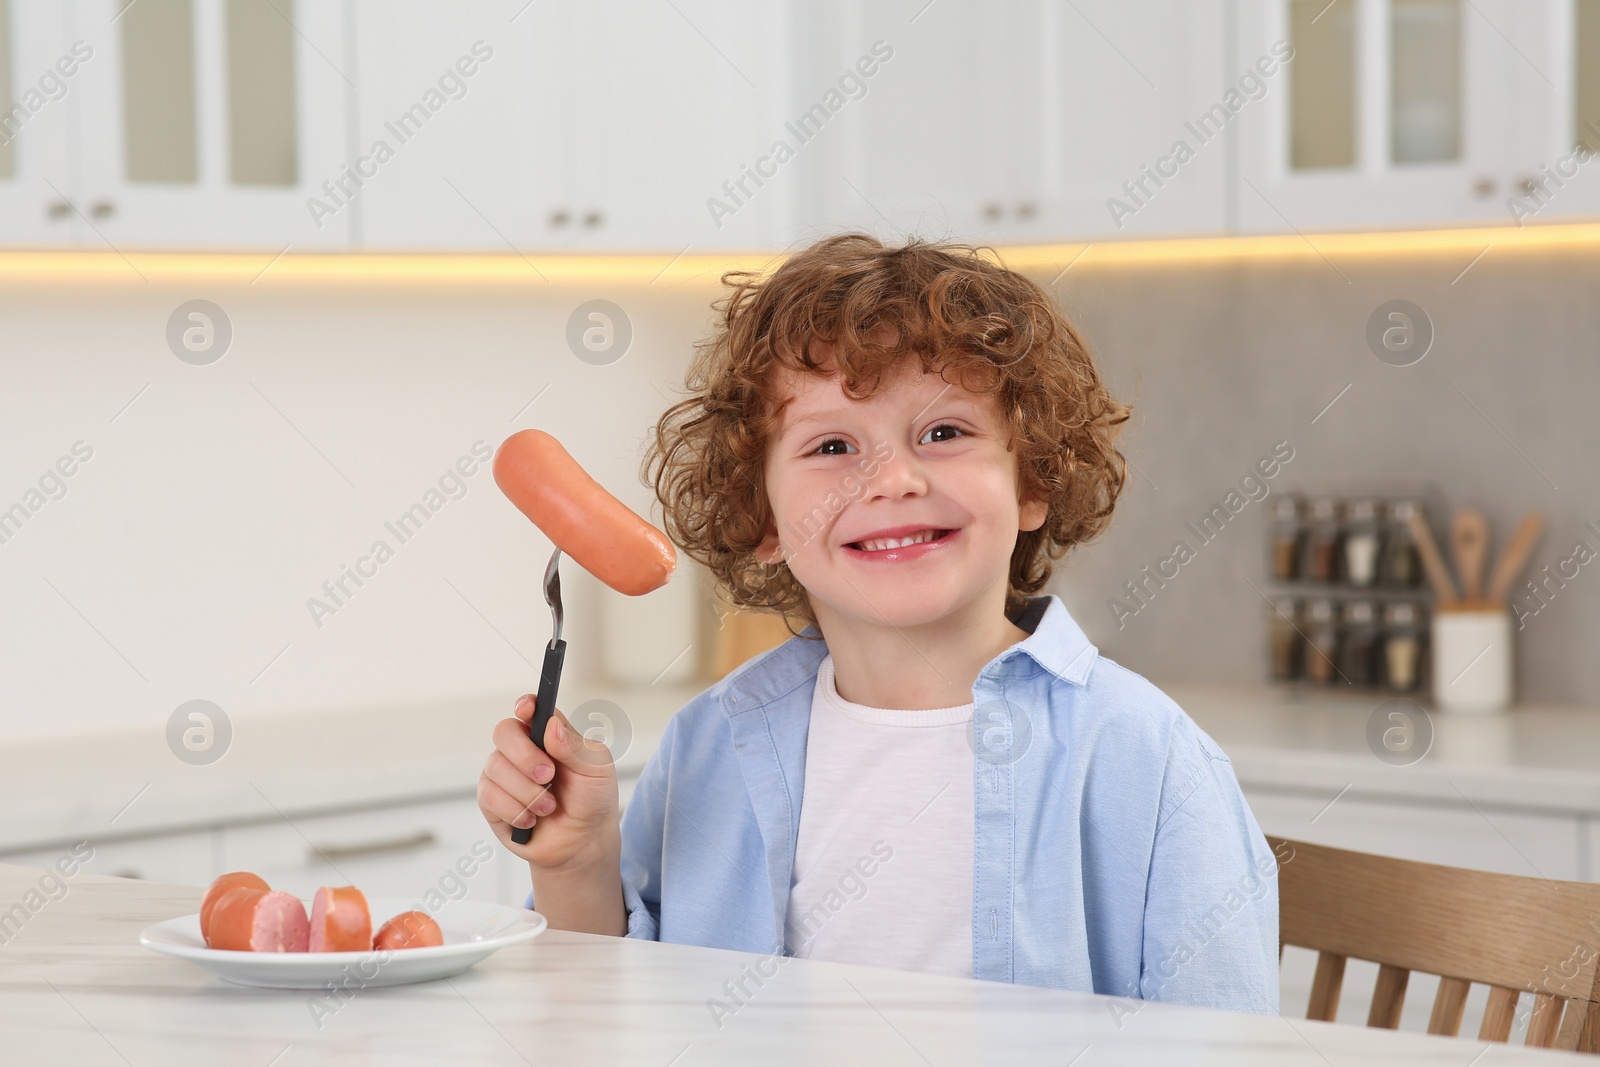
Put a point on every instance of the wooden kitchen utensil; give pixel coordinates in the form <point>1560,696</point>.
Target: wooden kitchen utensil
<point>1515,555</point>
<point>1469,544</point>
<point>1432,563</point>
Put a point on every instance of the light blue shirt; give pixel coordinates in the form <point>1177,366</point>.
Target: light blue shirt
<point>1113,850</point>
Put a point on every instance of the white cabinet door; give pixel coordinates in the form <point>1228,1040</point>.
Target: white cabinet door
<point>1490,839</point>
<point>1556,91</point>
<point>212,123</point>
<point>925,118</point>
<point>1128,147</point>
<point>443,847</point>
<point>174,859</point>
<point>458,122</point>
<point>590,126</point>
<point>41,85</point>
<point>664,107</point>
<point>1392,113</point>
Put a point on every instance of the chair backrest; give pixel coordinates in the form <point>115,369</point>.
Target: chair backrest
<point>1513,934</point>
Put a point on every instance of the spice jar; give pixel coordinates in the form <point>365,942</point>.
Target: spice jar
<point>1362,539</point>
<point>1402,563</point>
<point>1322,639</point>
<point>1288,539</point>
<point>1402,646</point>
<point>1322,541</point>
<point>1287,645</point>
<point>1358,645</point>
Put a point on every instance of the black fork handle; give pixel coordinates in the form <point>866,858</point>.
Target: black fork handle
<point>544,707</point>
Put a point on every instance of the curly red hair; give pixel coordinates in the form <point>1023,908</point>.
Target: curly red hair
<point>948,306</point>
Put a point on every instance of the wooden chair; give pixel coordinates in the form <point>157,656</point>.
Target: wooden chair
<point>1513,934</point>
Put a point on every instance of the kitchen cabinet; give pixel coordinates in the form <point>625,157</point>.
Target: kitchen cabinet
<point>911,116</point>
<point>1485,838</point>
<point>499,125</point>
<point>1127,149</point>
<point>581,127</point>
<point>189,858</point>
<point>401,851</point>
<point>1401,113</point>
<point>186,123</point>
<point>1556,85</point>
<point>404,850</point>
<point>1025,122</point>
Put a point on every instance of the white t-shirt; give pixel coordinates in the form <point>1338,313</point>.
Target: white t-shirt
<point>883,865</point>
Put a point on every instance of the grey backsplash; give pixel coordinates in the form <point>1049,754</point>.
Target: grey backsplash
<point>1224,359</point>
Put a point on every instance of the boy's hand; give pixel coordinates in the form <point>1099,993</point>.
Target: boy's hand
<point>568,794</point>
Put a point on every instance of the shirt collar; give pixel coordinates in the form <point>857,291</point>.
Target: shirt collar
<point>1055,642</point>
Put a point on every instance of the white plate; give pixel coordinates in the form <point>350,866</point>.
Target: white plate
<point>472,930</point>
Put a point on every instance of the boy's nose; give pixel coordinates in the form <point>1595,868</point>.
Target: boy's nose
<point>902,474</point>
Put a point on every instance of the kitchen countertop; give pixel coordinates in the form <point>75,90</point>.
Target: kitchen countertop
<point>79,988</point>
<point>1539,757</point>
<point>113,785</point>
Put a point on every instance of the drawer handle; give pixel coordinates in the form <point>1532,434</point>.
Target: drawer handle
<point>420,839</point>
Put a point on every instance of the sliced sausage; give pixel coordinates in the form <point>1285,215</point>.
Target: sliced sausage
<point>248,919</point>
<point>409,929</point>
<point>220,886</point>
<point>340,921</point>
<point>599,532</point>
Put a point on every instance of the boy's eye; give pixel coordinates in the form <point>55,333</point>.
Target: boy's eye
<point>833,446</point>
<point>944,428</point>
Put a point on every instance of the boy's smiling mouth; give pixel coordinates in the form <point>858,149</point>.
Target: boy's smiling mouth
<point>900,542</point>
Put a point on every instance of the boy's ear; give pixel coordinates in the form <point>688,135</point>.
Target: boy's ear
<point>1032,515</point>
<point>769,550</point>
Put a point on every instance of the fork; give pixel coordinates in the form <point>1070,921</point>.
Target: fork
<point>555,653</point>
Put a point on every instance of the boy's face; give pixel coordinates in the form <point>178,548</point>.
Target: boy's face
<point>850,480</point>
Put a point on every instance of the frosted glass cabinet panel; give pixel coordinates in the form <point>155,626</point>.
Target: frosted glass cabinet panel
<point>1322,85</point>
<point>1425,81</point>
<point>158,106</point>
<point>263,127</point>
<point>1586,76</point>
<point>7,99</point>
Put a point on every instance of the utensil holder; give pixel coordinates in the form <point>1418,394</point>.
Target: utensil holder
<point>1472,657</point>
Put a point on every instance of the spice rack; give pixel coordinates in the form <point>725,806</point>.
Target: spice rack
<point>1349,604</point>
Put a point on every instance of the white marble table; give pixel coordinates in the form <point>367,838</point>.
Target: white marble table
<point>76,987</point>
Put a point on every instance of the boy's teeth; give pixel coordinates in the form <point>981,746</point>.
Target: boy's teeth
<point>882,543</point>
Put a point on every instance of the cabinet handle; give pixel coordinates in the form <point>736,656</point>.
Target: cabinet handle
<point>993,212</point>
<point>420,839</point>
<point>1026,210</point>
<point>58,209</point>
<point>1483,187</point>
<point>592,219</point>
<point>559,217</point>
<point>102,209</point>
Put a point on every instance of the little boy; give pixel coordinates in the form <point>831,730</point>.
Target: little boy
<point>890,445</point>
